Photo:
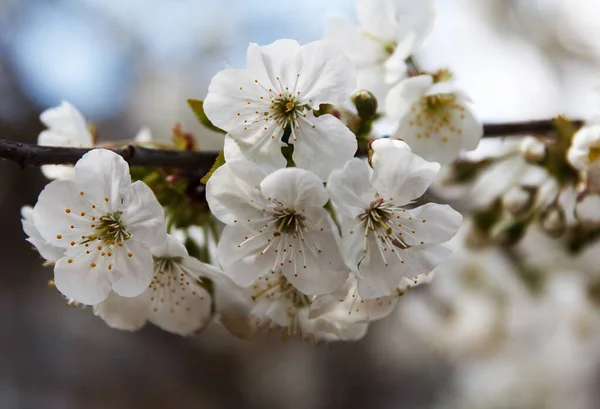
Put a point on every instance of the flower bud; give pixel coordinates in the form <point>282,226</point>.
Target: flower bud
<point>554,221</point>
<point>516,200</point>
<point>366,104</point>
<point>533,150</point>
<point>377,146</point>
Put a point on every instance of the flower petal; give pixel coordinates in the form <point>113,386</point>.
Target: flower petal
<point>132,270</point>
<point>327,74</point>
<point>46,250</point>
<point>401,176</point>
<point>241,258</point>
<point>128,314</point>
<point>143,217</point>
<point>276,65</point>
<point>362,50</point>
<point>57,209</point>
<point>350,188</point>
<point>233,194</point>
<point>322,144</point>
<point>67,127</point>
<point>431,223</point>
<point>80,281</point>
<point>181,308</point>
<point>295,189</point>
<point>103,176</point>
<point>401,98</point>
<point>233,99</point>
<point>423,259</point>
<point>258,142</point>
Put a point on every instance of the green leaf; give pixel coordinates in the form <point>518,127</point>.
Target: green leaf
<point>220,161</point>
<point>197,106</point>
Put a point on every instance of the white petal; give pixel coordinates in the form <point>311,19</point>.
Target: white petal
<point>233,194</point>
<point>380,276</point>
<point>423,259</point>
<point>171,248</point>
<point>128,314</point>
<point>46,250</point>
<point>386,144</point>
<point>322,144</point>
<point>315,272</point>
<point>395,65</point>
<point>353,233</point>
<point>587,209</point>
<point>181,308</point>
<point>68,126</point>
<point>378,17</point>
<point>402,176</point>
<point>144,135</point>
<point>401,98</point>
<point>228,95</point>
<point>372,78</point>
<point>58,172</point>
<point>362,50</point>
<point>276,65</point>
<point>350,188</point>
<point>244,263</point>
<point>258,142</point>
<point>295,188</point>
<point>132,270</point>
<point>327,74</point>
<point>143,217</point>
<point>80,281</point>
<point>57,209</point>
<point>103,176</point>
<point>233,304</point>
<point>432,223</point>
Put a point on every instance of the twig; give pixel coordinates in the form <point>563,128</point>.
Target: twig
<point>34,155</point>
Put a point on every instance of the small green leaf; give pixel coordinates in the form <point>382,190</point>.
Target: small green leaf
<point>220,161</point>
<point>197,106</point>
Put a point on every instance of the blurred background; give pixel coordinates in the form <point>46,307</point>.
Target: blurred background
<point>128,64</point>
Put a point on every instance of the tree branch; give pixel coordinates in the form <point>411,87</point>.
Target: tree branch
<point>34,155</point>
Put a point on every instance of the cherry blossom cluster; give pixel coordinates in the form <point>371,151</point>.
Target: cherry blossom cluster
<point>312,230</point>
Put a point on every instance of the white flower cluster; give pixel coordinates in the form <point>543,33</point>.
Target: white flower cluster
<point>315,241</point>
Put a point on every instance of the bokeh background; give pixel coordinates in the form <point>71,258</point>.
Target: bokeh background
<point>128,64</point>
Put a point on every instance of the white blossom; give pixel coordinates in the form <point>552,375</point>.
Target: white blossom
<point>339,316</point>
<point>388,32</point>
<point>585,148</point>
<point>105,224</point>
<point>67,128</point>
<point>279,89</point>
<point>47,251</point>
<point>275,222</point>
<point>175,301</point>
<point>434,118</point>
<point>385,241</point>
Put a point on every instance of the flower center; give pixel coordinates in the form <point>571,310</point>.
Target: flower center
<point>437,116</point>
<point>381,219</point>
<point>285,109</point>
<point>289,222</point>
<point>109,229</point>
<point>282,288</point>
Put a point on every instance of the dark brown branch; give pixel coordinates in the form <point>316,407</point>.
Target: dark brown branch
<point>34,155</point>
<point>540,127</point>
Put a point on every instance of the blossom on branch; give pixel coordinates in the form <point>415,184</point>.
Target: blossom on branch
<point>384,240</point>
<point>175,301</point>
<point>67,128</point>
<point>274,98</point>
<point>388,32</point>
<point>275,223</point>
<point>106,226</point>
<point>434,118</point>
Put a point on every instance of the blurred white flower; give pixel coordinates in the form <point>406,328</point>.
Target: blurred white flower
<point>384,241</point>
<point>587,209</point>
<point>105,224</point>
<point>66,128</point>
<point>275,223</point>
<point>176,300</point>
<point>533,149</point>
<point>48,251</point>
<point>584,153</point>
<point>388,32</point>
<point>434,118</point>
<point>278,91</point>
